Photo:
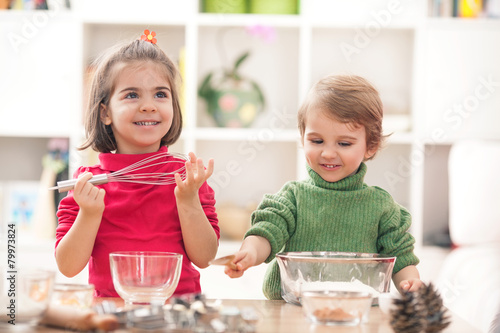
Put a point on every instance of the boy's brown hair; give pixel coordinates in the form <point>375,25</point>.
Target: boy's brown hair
<point>100,136</point>
<point>349,99</point>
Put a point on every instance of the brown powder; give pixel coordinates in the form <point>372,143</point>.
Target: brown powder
<point>335,314</point>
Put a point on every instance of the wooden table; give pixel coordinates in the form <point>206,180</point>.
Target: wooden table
<point>281,317</point>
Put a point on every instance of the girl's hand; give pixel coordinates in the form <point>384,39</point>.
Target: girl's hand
<point>411,284</point>
<point>89,197</point>
<point>196,175</point>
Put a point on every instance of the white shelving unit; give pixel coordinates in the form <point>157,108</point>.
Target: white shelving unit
<point>421,66</point>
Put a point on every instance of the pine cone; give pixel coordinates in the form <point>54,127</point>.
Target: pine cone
<point>437,319</point>
<point>409,314</point>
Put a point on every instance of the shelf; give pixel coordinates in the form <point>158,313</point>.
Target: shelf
<point>246,134</point>
<point>245,170</point>
<point>35,131</point>
<point>271,135</point>
<point>436,198</point>
<point>265,66</point>
<point>391,170</point>
<point>40,16</point>
<point>401,138</point>
<point>40,96</point>
<point>16,164</point>
<point>243,20</point>
<point>421,66</point>
<point>145,12</point>
<point>461,93</point>
<point>135,20</point>
<point>463,24</point>
<point>376,14</point>
<point>171,38</point>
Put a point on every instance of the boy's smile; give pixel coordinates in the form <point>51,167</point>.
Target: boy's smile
<point>334,150</point>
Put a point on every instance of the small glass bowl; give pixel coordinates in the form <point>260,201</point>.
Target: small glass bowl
<point>75,295</point>
<point>331,307</point>
<point>24,295</point>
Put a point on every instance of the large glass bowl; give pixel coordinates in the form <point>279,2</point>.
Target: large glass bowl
<point>333,271</point>
<point>144,278</point>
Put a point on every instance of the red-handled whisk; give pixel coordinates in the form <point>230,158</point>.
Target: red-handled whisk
<point>124,175</point>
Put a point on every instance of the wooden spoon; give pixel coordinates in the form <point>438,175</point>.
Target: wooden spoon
<point>225,261</point>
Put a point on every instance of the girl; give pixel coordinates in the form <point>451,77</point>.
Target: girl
<point>134,113</point>
<point>340,125</point>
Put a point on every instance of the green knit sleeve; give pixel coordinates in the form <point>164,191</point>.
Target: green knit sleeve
<point>275,219</point>
<point>394,238</point>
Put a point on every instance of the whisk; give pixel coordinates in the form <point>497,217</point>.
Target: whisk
<point>124,175</point>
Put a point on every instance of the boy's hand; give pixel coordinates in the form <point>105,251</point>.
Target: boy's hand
<point>253,252</point>
<point>196,175</point>
<point>89,197</point>
<point>242,261</point>
<point>407,279</point>
<point>411,284</point>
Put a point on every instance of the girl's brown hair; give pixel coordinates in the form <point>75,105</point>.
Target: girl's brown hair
<point>349,99</point>
<point>100,136</point>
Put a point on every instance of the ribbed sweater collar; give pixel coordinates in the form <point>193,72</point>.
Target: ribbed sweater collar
<point>351,183</point>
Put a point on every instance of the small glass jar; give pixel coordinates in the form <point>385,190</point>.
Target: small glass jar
<point>76,295</point>
<point>336,307</point>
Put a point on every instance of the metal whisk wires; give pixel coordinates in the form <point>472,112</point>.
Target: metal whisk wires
<point>128,174</point>
<point>152,178</point>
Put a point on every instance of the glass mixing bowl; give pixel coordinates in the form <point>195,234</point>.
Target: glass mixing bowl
<point>333,271</point>
<point>143,278</point>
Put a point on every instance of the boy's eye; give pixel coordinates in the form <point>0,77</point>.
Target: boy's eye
<point>344,144</point>
<point>317,141</point>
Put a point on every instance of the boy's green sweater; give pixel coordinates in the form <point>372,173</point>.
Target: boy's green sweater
<point>316,215</point>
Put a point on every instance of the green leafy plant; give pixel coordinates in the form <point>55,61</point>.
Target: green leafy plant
<point>232,99</point>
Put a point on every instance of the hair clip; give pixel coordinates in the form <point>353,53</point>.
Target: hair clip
<point>149,37</point>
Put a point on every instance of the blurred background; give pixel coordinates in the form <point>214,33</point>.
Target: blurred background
<point>246,67</point>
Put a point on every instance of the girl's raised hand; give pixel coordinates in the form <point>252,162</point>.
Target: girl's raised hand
<point>196,175</point>
<point>89,197</point>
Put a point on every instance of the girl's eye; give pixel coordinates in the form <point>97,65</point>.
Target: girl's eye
<point>317,141</point>
<point>161,94</point>
<point>131,95</point>
<point>344,144</point>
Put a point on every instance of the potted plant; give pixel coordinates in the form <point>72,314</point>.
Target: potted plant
<point>232,100</point>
